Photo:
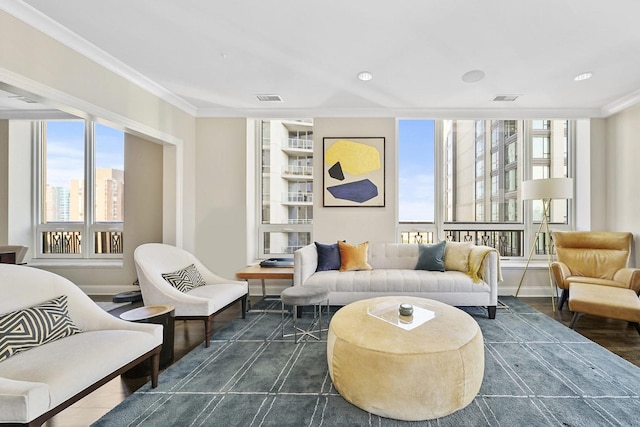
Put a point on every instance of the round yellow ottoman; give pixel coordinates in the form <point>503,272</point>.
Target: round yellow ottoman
<point>426,372</point>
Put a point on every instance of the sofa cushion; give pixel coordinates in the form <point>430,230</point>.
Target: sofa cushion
<point>397,281</point>
<point>431,257</point>
<point>456,256</point>
<point>185,279</point>
<point>31,327</point>
<point>353,257</point>
<point>328,256</point>
<point>70,364</point>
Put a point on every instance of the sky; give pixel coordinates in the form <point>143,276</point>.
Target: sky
<point>65,150</point>
<point>416,170</point>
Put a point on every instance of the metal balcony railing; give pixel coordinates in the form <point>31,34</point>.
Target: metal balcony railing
<point>298,197</point>
<point>297,170</point>
<point>509,243</point>
<point>61,242</point>
<point>299,144</point>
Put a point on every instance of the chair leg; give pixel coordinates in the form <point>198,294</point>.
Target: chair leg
<point>563,298</point>
<point>574,319</point>
<point>155,369</point>
<point>244,307</point>
<point>207,330</point>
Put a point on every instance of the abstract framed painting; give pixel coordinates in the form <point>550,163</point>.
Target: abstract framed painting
<point>353,172</point>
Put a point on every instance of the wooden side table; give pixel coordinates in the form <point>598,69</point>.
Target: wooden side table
<point>8,257</point>
<point>256,272</point>
<point>158,315</point>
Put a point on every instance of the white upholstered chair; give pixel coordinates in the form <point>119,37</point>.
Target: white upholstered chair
<point>201,303</point>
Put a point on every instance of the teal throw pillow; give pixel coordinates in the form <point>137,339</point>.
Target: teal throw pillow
<point>431,257</point>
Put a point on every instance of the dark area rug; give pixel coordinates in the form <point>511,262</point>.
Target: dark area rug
<point>537,373</point>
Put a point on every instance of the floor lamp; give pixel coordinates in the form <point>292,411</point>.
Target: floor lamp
<point>546,190</point>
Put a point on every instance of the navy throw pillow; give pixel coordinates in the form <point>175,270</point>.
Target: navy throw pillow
<point>328,257</point>
<point>431,257</point>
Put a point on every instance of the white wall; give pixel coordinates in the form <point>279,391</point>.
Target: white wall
<point>622,167</point>
<point>355,224</point>
<point>4,181</point>
<point>19,216</point>
<point>221,194</point>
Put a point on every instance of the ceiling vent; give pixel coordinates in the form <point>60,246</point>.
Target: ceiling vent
<point>269,98</point>
<point>23,99</point>
<point>508,98</point>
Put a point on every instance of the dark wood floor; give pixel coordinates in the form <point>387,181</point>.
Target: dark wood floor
<point>614,335</point>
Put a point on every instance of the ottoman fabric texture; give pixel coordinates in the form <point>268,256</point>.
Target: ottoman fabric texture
<point>604,301</point>
<point>428,372</point>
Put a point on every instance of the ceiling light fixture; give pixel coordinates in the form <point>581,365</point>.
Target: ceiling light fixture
<point>473,76</point>
<point>365,76</point>
<point>583,76</point>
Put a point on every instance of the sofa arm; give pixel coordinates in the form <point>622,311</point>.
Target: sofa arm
<point>305,263</point>
<point>630,277</point>
<point>22,401</point>
<point>491,274</point>
<point>560,273</point>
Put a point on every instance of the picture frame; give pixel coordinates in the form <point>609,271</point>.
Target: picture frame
<point>353,172</point>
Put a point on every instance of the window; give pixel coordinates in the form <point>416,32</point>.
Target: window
<point>416,181</point>
<point>286,185</point>
<point>484,162</point>
<point>81,191</point>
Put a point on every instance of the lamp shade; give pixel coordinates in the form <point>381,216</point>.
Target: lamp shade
<point>549,188</point>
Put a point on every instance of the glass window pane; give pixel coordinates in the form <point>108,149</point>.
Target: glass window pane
<point>109,174</point>
<point>283,242</point>
<point>416,170</point>
<point>64,171</point>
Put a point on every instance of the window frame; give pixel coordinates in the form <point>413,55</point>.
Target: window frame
<point>439,230</point>
<point>89,227</point>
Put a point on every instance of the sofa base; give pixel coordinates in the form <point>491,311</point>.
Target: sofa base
<point>154,355</point>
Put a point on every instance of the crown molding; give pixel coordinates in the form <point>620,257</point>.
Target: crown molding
<point>432,113</point>
<point>36,19</point>
<point>621,104</point>
<point>21,85</point>
<point>34,115</point>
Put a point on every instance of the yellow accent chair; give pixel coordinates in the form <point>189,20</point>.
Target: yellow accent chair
<point>592,271</point>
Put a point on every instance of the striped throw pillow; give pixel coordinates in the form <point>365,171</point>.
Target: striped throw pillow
<point>31,327</point>
<point>185,279</point>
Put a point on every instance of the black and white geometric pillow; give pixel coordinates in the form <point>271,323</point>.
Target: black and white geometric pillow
<point>31,327</point>
<point>185,279</point>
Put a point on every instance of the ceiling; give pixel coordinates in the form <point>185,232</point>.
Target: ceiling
<point>212,58</point>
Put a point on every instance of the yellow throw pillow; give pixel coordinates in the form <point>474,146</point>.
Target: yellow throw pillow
<point>456,256</point>
<point>353,257</point>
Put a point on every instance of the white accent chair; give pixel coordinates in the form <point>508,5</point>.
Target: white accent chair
<point>202,303</point>
<point>38,383</point>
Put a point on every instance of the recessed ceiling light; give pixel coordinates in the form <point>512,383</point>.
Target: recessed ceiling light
<point>583,76</point>
<point>473,76</point>
<point>365,76</point>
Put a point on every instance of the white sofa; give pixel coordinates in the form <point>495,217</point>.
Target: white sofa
<point>37,383</point>
<point>393,273</point>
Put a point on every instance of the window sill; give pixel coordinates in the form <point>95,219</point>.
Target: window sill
<point>76,263</point>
